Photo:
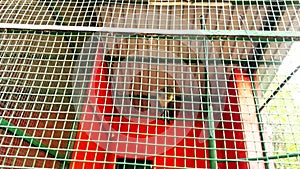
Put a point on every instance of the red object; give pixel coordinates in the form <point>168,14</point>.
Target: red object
<point>231,132</point>
<point>96,147</point>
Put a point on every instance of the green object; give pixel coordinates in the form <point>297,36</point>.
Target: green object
<point>210,119</point>
<point>276,157</point>
<point>260,121</point>
<point>29,139</point>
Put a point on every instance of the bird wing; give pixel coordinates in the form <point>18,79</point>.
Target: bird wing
<point>158,103</point>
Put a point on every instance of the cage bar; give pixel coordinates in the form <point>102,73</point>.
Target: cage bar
<point>149,84</point>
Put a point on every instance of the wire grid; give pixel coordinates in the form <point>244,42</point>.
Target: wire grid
<point>83,84</point>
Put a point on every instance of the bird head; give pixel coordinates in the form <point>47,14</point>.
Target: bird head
<point>166,95</point>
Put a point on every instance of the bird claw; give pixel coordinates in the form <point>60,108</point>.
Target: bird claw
<point>166,116</point>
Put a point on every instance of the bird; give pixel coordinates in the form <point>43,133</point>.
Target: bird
<point>166,96</point>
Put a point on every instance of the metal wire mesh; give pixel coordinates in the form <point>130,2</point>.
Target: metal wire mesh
<point>149,84</point>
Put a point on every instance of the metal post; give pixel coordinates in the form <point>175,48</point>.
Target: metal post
<point>211,128</point>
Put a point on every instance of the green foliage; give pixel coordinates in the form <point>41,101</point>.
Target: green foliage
<point>283,118</point>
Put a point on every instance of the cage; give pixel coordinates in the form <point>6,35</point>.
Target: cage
<point>149,84</point>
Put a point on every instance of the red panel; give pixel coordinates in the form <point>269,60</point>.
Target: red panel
<point>189,152</point>
<point>88,154</point>
<point>232,127</point>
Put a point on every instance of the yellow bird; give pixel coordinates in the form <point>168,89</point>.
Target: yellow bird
<point>165,97</point>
